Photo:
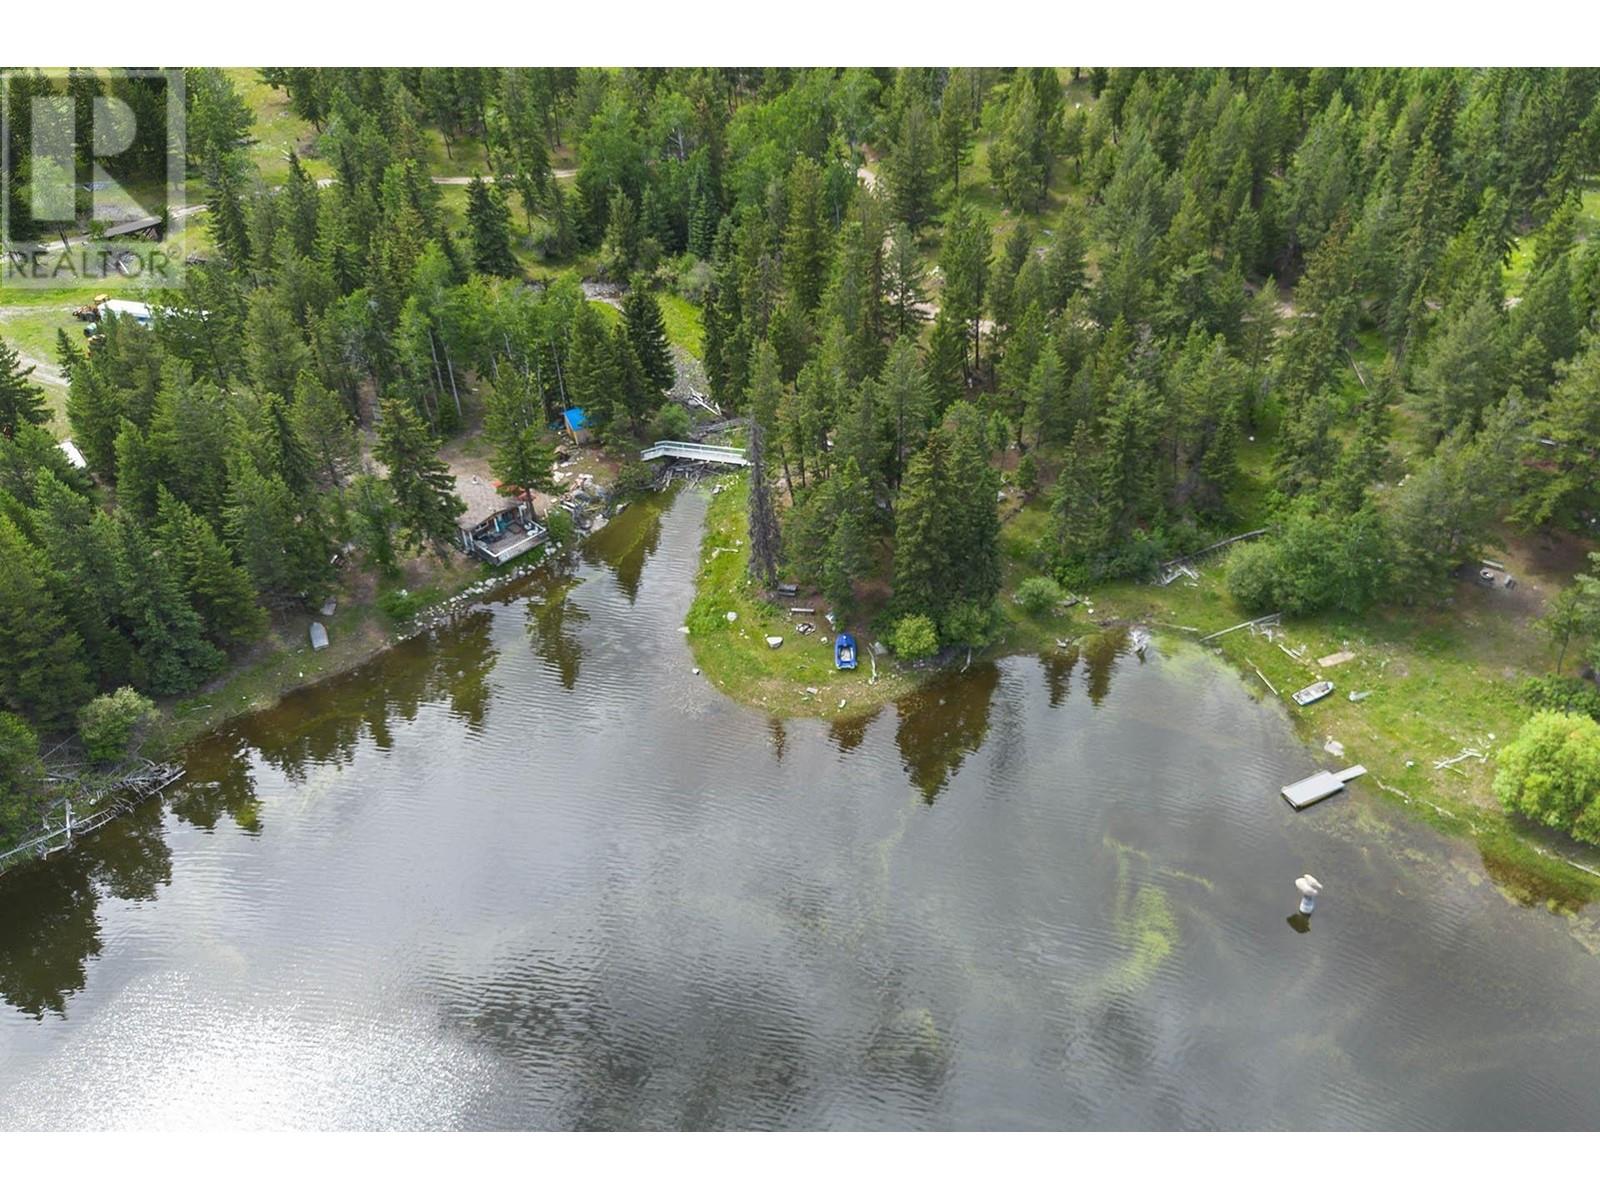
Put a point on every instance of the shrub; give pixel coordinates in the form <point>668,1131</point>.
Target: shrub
<point>1039,595</point>
<point>1253,575</point>
<point>635,479</point>
<point>401,605</point>
<point>1551,772</point>
<point>914,637</point>
<point>1564,693</point>
<point>693,279</point>
<point>112,726</point>
<point>558,522</point>
<point>672,423</point>
<point>968,624</point>
<point>1318,560</point>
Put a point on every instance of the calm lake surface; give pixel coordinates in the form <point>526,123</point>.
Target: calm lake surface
<point>529,871</point>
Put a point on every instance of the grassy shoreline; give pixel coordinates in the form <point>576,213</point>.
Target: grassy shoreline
<point>798,679</point>
<point>1438,683</point>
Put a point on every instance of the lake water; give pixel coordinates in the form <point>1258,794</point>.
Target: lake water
<point>529,871</point>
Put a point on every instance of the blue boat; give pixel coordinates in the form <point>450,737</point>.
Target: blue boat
<point>844,652</point>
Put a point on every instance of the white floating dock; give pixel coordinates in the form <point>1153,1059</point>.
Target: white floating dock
<point>1303,793</point>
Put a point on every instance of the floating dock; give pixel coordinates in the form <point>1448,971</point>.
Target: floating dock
<point>1303,793</point>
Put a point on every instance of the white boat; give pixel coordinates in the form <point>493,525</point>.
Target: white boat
<point>1310,695</point>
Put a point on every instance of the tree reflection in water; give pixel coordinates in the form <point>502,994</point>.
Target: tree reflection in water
<point>848,733</point>
<point>1058,670</point>
<point>549,614</point>
<point>1100,652</point>
<point>942,724</point>
<point>52,927</point>
<point>626,545</point>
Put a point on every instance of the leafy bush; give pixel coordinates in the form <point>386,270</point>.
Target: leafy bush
<point>558,522</point>
<point>1253,575</point>
<point>1562,693</point>
<point>1039,595</point>
<point>968,624</point>
<point>1318,560</point>
<point>914,637</point>
<point>672,423</point>
<point>112,726</point>
<point>1551,772</point>
<point>693,278</point>
<point>635,479</point>
<point>401,605</point>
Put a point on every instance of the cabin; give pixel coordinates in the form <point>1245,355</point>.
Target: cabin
<point>503,534</point>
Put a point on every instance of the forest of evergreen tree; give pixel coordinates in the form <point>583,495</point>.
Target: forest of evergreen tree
<point>1098,286</point>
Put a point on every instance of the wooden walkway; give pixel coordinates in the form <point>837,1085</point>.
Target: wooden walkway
<point>697,452</point>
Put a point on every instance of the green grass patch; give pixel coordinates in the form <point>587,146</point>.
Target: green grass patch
<point>1439,681</point>
<point>686,328</point>
<point>734,654</point>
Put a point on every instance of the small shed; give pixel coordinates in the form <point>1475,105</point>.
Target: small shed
<point>577,424</point>
<point>319,636</point>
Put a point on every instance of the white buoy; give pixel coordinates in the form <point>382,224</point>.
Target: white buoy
<point>1309,888</point>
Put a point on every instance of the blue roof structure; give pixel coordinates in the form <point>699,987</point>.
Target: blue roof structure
<point>575,419</point>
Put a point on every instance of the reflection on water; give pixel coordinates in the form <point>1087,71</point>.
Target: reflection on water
<point>51,925</point>
<point>528,871</point>
<point>553,625</point>
<point>1058,670</point>
<point>944,723</point>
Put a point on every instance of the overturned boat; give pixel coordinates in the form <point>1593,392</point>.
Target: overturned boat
<point>1310,695</point>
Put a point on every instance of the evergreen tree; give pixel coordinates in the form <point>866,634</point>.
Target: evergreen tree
<point>216,586</point>
<point>164,625</point>
<point>647,331</point>
<point>766,546</point>
<point>79,547</point>
<point>964,262</point>
<point>1463,374</point>
<point>955,130</point>
<point>924,565</point>
<point>21,400</point>
<point>43,673</point>
<point>489,222</point>
<point>376,521</point>
<point>514,421</point>
<point>903,278</point>
<point>1564,482</point>
<point>322,424</point>
<point>424,490</point>
<point>278,539</point>
<point>286,452</point>
<point>594,380</point>
<point>907,403</point>
<point>1019,158</point>
<point>911,166</point>
<point>805,237</point>
<point>1064,271</point>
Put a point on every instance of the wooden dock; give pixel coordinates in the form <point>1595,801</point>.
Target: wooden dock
<point>1303,793</point>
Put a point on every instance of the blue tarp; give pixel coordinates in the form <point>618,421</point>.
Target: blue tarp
<point>575,419</point>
